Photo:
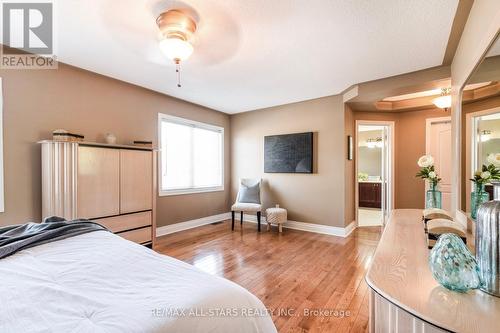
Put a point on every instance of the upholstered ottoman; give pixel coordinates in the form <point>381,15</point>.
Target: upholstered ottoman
<point>277,216</point>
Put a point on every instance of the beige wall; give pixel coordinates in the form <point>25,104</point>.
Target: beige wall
<point>349,167</point>
<point>313,198</point>
<point>409,146</point>
<point>37,102</point>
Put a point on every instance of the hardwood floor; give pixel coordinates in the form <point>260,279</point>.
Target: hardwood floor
<point>292,273</point>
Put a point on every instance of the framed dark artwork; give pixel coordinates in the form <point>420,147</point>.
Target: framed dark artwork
<point>288,153</point>
<point>349,148</point>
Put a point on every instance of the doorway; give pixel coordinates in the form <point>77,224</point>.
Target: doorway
<point>374,172</point>
<point>438,145</point>
<point>482,137</point>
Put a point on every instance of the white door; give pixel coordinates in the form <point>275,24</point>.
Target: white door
<point>439,146</point>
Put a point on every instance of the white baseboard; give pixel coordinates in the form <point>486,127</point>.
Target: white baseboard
<point>170,229</point>
<point>309,227</point>
<point>350,228</point>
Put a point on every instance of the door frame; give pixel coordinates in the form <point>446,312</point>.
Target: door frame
<point>428,124</point>
<point>470,160</point>
<point>391,126</point>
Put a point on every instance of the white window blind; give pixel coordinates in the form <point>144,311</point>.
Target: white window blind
<point>191,156</point>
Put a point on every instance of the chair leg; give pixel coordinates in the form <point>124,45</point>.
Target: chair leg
<point>232,219</point>
<point>258,221</point>
<point>241,218</point>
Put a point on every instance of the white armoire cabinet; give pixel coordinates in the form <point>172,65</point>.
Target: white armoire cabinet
<point>114,185</point>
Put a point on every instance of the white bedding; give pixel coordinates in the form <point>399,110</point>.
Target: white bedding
<point>99,282</point>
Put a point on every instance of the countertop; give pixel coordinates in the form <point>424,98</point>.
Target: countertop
<point>400,273</point>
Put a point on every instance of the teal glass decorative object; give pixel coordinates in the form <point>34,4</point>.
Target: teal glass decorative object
<point>452,264</point>
<point>477,198</point>
<point>433,197</point>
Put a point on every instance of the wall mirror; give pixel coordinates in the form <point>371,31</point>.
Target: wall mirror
<point>481,124</point>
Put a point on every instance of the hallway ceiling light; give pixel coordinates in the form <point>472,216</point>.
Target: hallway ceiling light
<point>443,101</point>
<point>485,135</point>
<point>374,143</point>
<point>176,30</point>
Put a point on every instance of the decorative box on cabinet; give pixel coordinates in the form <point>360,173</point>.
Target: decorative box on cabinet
<point>114,185</point>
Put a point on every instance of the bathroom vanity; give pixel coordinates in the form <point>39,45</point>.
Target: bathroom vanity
<point>404,297</point>
<point>370,194</point>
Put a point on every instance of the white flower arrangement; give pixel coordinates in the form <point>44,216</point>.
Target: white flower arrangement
<point>485,175</point>
<point>488,172</point>
<point>426,163</point>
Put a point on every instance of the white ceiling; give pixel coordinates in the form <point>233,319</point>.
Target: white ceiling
<point>251,54</point>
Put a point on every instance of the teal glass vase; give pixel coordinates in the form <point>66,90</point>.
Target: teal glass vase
<point>477,198</point>
<point>452,264</point>
<point>433,197</point>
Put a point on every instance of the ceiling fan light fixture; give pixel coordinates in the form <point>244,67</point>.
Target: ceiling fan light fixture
<point>175,23</point>
<point>375,143</point>
<point>176,49</point>
<point>176,30</point>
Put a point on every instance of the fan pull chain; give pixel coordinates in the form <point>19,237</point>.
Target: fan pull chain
<point>178,71</point>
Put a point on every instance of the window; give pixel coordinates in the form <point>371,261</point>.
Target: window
<point>191,156</point>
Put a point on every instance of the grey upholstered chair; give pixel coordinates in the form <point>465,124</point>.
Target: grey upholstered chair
<point>248,200</point>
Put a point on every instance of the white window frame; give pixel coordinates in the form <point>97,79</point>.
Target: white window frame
<point>188,122</point>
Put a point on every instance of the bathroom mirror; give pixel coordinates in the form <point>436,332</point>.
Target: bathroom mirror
<point>480,122</point>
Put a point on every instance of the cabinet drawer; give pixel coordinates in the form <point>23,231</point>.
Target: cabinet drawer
<point>126,222</point>
<point>140,236</point>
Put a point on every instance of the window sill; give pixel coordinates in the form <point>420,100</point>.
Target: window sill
<point>190,191</point>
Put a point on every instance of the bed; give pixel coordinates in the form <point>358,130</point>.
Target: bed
<point>99,282</point>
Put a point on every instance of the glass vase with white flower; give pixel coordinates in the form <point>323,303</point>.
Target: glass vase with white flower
<point>427,172</point>
<point>482,177</point>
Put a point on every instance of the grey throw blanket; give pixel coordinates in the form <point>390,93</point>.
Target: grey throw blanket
<point>15,238</point>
